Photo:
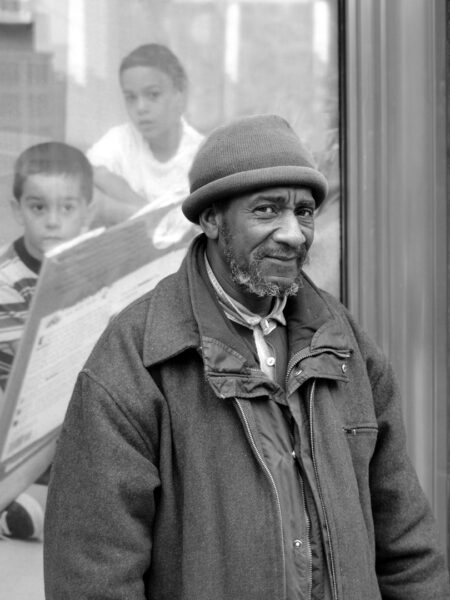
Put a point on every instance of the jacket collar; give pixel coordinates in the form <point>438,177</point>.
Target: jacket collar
<point>184,304</point>
<point>187,307</point>
<point>312,322</point>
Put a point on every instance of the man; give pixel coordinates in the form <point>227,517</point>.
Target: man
<point>234,435</point>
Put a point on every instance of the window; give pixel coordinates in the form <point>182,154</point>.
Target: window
<point>59,78</point>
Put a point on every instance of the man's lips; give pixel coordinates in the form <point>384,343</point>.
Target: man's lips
<point>282,258</point>
<point>287,259</point>
<point>283,254</point>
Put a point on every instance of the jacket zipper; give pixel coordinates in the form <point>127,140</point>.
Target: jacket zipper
<point>302,354</point>
<point>296,358</point>
<point>268,473</point>
<point>308,537</point>
<point>316,472</point>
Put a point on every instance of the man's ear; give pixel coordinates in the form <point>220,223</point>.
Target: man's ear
<point>209,221</point>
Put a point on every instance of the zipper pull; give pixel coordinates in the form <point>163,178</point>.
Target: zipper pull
<point>350,430</point>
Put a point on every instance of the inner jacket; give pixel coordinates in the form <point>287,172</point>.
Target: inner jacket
<point>159,487</point>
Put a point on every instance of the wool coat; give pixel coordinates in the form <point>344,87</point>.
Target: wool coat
<point>159,488</point>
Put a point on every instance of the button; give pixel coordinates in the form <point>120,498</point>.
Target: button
<point>344,367</point>
<point>270,361</point>
<point>294,456</point>
<point>298,544</point>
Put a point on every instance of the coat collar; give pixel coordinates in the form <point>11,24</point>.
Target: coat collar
<point>184,314</point>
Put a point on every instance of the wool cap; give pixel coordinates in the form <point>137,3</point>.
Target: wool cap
<point>250,154</point>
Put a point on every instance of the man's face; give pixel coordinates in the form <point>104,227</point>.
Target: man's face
<point>262,242</point>
<point>153,103</point>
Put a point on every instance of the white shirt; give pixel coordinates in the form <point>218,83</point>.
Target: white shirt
<point>125,152</point>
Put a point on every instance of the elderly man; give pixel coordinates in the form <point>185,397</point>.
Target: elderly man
<point>235,435</point>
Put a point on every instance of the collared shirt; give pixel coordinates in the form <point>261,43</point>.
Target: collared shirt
<point>261,327</point>
<point>284,438</point>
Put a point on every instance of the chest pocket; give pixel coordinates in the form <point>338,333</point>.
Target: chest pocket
<point>361,439</point>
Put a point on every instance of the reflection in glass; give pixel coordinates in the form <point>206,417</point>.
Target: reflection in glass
<point>59,78</point>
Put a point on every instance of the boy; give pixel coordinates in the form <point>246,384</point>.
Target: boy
<point>146,160</point>
<point>52,188</point>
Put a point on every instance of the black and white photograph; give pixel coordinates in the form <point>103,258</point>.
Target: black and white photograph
<point>224,299</point>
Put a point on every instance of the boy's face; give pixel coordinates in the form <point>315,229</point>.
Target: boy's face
<point>52,210</point>
<point>153,103</point>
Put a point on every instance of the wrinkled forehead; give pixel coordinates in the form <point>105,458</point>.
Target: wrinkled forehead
<point>283,195</point>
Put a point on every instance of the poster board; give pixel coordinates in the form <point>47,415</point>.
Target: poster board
<point>81,286</point>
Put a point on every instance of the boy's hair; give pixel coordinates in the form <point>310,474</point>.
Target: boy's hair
<point>53,158</point>
<point>159,57</point>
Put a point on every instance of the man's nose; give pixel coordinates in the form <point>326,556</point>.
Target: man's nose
<point>289,230</point>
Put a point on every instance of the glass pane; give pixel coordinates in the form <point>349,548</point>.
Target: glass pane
<point>59,80</point>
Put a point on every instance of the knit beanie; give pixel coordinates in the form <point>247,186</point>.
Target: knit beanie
<point>250,154</point>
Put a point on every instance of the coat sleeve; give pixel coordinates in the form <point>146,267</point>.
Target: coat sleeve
<point>409,560</point>
<point>101,500</point>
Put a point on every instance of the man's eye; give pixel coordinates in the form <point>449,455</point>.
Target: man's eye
<point>305,212</point>
<point>266,210</point>
<point>67,208</point>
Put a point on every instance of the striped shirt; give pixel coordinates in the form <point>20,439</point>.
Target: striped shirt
<point>18,278</point>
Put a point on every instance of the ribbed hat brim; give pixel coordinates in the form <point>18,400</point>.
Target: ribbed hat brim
<point>244,182</point>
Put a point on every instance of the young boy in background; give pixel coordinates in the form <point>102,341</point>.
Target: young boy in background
<point>146,160</point>
<point>52,188</point>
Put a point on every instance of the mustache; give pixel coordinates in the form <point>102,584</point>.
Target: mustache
<point>287,253</point>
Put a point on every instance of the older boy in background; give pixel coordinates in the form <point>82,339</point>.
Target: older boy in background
<point>146,160</point>
<point>53,184</point>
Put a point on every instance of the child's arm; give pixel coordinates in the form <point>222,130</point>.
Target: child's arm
<point>118,188</point>
<point>122,201</point>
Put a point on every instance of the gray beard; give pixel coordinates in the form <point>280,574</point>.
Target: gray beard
<point>249,276</point>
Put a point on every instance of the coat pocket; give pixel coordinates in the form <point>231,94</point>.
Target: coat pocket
<point>361,440</point>
<point>361,430</point>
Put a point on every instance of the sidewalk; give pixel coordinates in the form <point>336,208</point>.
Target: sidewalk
<point>21,569</point>
<point>21,563</point>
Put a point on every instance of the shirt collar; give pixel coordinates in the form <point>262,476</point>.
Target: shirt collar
<point>237,312</point>
<point>32,263</point>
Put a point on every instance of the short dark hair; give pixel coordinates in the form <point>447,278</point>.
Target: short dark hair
<point>53,158</point>
<point>159,57</point>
